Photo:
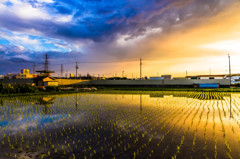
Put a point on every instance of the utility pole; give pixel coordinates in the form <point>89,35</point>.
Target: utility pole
<point>123,73</point>
<point>186,72</point>
<point>230,75</point>
<point>61,70</point>
<point>46,63</point>
<point>76,68</point>
<point>140,68</point>
<point>34,66</point>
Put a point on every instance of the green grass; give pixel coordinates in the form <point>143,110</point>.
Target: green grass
<point>236,89</point>
<point>128,90</point>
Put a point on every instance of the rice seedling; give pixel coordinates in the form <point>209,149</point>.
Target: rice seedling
<point>161,125</point>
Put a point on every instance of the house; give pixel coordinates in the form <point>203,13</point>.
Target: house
<point>46,81</point>
<point>25,74</point>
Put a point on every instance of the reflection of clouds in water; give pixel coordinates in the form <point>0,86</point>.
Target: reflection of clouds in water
<point>12,127</point>
<point>20,118</point>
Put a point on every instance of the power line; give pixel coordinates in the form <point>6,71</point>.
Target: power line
<point>97,62</point>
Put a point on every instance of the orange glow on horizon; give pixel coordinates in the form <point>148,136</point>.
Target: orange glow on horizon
<point>198,48</point>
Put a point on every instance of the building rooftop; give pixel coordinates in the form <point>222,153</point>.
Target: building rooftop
<point>205,76</point>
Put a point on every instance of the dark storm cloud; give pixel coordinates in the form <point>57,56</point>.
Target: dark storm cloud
<point>13,58</point>
<point>102,21</point>
<point>107,20</point>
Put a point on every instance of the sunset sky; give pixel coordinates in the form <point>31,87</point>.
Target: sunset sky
<point>109,36</point>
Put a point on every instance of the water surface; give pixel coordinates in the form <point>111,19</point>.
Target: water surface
<point>155,125</point>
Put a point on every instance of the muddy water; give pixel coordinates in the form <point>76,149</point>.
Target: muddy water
<point>155,125</point>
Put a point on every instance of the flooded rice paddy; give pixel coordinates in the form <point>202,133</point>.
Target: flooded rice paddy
<point>155,125</point>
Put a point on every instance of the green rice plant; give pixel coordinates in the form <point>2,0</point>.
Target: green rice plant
<point>227,146</point>
<point>128,130</point>
<point>215,148</point>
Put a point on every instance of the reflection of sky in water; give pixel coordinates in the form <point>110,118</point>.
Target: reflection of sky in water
<point>19,115</point>
<point>36,121</point>
<point>134,110</point>
<point>3,123</point>
<point>146,117</point>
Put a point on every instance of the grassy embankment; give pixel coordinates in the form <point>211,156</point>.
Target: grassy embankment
<point>147,90</point>
<point>120,90</point>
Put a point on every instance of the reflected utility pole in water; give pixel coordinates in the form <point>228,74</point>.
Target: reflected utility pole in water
<point>76,101</point>
<point>1,102</point>
<point>231,106</point>
<point>140,103</point>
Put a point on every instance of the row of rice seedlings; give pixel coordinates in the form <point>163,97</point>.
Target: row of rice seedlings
<point>149,141</point>
<point>150,132</point>
<point>172,128</point>
<point>236,102</point>
<point>132,135</point>
<point>189,110</point>
<point>151,126</point>
<point>167,122</point>
<point>235,111</point>
<point>205,132</point>
<point>196,129</point>
<point>227,146</point>
<point>186,131</point>
<point>179,147</point>
<point>232,113</point>
<point>69,142</point>
<point>25,131</point>
<point>214,133</point>
<point>232,107</point>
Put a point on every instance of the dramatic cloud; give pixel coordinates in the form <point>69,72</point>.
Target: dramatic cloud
<point>93,30</point>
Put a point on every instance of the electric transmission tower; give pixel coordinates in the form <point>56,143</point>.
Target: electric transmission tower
<point>61,70</point>
<point>76,69</point>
